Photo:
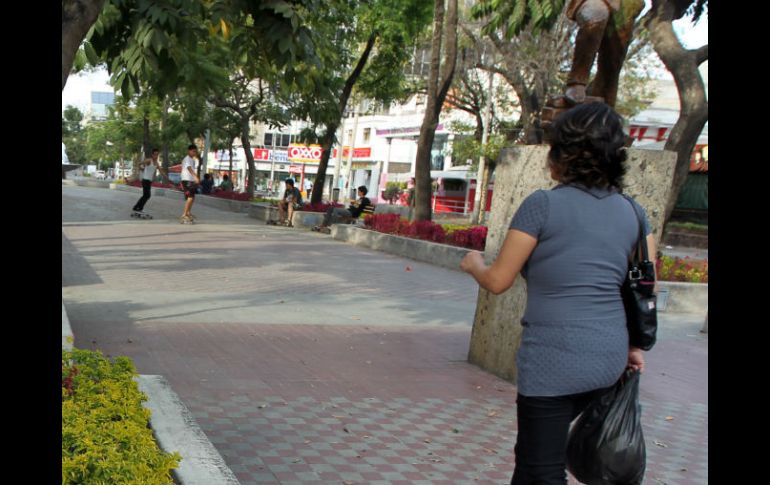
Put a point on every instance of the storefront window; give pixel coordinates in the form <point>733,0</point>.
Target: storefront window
<point>437,152</point>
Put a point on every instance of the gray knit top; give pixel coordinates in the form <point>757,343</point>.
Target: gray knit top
<point>574,338</point>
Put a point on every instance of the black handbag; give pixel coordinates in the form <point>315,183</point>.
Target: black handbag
<point>638,292</point>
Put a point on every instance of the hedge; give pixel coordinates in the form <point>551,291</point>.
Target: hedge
<point>106,438</point>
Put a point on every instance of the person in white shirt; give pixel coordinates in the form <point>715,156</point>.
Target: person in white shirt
<point>190,182</point>
<point>148,175</point>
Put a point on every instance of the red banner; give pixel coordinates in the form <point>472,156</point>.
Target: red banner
<point>295,168</point>
<point>357,152</point>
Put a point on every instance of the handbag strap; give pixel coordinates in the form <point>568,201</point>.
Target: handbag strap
<point>642,243</point>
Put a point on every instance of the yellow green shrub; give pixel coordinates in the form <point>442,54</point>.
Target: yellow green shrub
<point>106,438</point>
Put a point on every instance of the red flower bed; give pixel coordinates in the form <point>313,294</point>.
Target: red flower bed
<point>319,207</point>
<point>472,238</point>
<point>426,230</point>
<point>686,270</point>
<point>241,196</point>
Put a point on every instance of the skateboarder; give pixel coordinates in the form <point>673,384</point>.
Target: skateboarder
<point>150,165</point>
<point>190,182</point>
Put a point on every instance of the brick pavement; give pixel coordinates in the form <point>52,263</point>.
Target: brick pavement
<point>370,393</point>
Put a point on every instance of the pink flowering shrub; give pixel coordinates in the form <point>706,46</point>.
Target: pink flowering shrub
<point>472,238</point>
<point>426,230</point>
<point>319,207</point>
<point>241,196</point>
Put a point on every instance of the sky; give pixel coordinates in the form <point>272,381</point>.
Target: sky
<point>77,91</point>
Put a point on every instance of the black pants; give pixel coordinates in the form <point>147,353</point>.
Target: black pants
<point>146,194</point>
<point>541,444</point>
<point>334,214</point>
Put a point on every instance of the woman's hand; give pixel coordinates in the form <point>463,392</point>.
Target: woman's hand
<point>635,359</point>
<point>472,261</point>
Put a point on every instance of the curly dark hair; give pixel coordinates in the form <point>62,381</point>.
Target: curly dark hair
<point>587,146</point>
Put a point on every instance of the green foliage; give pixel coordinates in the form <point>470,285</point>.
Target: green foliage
<point>636,89</point>
<point>512,16</point>
<point>689,226</point>
<point>163,43</point>
<point>264,200</point>
<point>393,190</point>
<point>466,147</point>
<point>105,432</point>
<point>73,135</point>
<point>340,34</point>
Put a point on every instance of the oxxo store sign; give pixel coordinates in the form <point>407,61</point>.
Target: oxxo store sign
<point>304,153</point>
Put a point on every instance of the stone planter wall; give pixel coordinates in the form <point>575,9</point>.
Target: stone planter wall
<point>428,252</point>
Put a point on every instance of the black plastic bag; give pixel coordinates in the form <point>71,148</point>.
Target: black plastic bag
<point>606,445</point>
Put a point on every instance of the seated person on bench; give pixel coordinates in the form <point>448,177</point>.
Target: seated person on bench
<point>335,214</point>
<point>292,200</point>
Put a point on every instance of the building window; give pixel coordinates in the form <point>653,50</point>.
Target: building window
<point>350,137</point>
<point>285,140</point>
<point>367,135</point>
<point>268,139</point>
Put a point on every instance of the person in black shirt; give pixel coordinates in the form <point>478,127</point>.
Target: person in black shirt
<point>207,184</point>
<point>354,210</point>
<point>292,199</point>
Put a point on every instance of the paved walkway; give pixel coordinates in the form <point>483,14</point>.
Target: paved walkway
<point>306,360</point>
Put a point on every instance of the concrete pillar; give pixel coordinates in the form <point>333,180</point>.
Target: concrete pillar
<point>520,171</point>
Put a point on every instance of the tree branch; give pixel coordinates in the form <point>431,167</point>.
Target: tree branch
<point>702,55</point>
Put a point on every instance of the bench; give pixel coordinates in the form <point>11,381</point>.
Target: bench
<point>369,209</point>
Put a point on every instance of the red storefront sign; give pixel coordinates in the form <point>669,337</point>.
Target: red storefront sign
<point>295,168</point>
<point>261,154</point>
<point>357,152</point>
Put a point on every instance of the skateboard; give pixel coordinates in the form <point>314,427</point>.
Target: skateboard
<point>140,215</point>
<point>186,220</point>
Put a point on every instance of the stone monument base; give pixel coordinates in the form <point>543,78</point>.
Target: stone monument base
<point>520,171</point>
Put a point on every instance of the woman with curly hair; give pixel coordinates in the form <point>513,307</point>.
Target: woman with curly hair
<point>572,244</point>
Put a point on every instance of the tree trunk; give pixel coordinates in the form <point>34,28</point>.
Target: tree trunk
<point>438,85</point>
<point>146,144</point>
<point>249,155</point>
<point>326,151</point>
<point>482,186</point>
<point>163,121</point>
<point>331,128</point>
<point>77,17</point>
<point>683,65</point>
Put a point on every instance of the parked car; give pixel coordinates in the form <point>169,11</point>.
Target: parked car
<point>100,175</point>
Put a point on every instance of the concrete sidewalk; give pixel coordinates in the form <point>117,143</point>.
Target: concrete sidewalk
<point>309,361</point>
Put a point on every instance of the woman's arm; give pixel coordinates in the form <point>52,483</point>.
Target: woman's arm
<point>516,250</point>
